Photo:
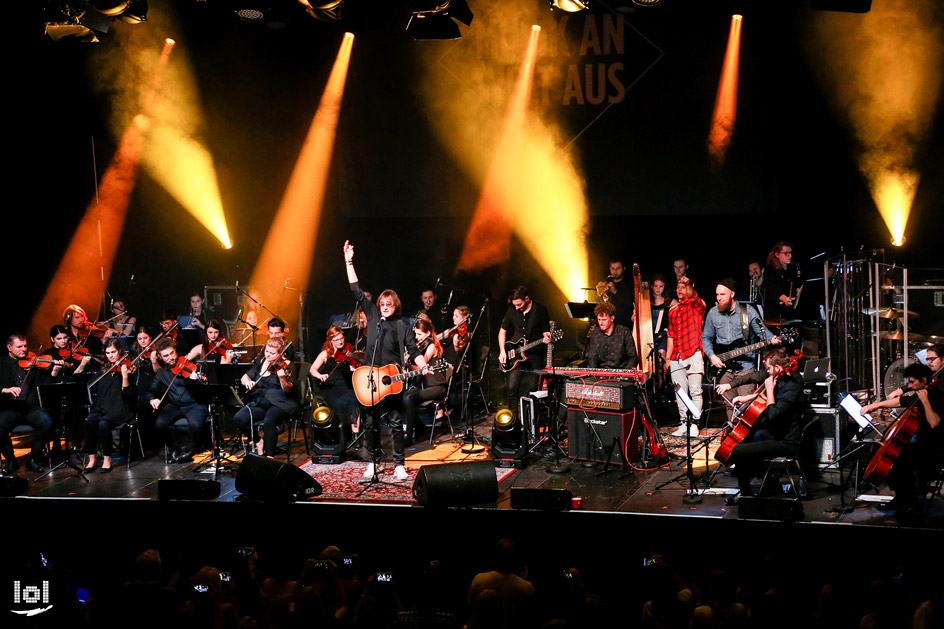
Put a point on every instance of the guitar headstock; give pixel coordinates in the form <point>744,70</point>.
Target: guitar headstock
<point>440,364</point>
<point>556,335</point>
<point>788,335</point>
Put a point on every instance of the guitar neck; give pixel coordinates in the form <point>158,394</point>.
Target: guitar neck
<point>734,353</point>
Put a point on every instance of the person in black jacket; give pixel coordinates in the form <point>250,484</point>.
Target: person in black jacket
<point>273,396</point>
<point>778,431</point>
<point>19,405</point>
<point>113,392</point>
<point>172,396</point>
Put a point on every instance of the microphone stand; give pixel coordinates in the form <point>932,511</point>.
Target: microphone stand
<point>375,421</point>
<point>474,446</point>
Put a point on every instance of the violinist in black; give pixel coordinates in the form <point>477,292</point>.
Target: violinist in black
<point>391,337</point>
<point>19,405</point>
<point>332,370</point>
<point>778,431</point>
<point>171,395</point>
<point>434,384</point>
<point>147,364</point>
<point>113,392</point>
<point>213,350</point>
<point>83,333</point>
<point>67,363</point>
<point>273,396</point>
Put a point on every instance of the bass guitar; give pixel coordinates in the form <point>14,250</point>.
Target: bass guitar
<point>730,352</point>
<point>514,351</point>
<point>387,380</point>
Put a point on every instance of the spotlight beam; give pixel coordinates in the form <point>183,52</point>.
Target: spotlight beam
<point>725,112</point>
<point>290,244</point>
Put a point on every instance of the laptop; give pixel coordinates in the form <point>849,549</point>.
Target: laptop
<point>815,370</point>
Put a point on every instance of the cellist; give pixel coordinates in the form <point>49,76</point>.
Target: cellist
<point>921,458</point>
<point>777,432</point>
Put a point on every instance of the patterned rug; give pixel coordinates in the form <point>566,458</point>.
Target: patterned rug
<point>343,482</point>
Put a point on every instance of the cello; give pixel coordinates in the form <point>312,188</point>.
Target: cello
<point>748,415</point>
<point>895,438</point>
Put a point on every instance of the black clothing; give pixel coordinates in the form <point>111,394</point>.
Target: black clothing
<point>624,299</point>
<point>108,411</point>
<point>777,282</point>
<point>22,411</point>
<point>920,460</point>
<point>180,402</point>
<point>531,326</point>
<point>614,351</point>
<point>776,433</point>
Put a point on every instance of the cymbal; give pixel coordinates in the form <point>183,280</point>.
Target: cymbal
<point>781,322</point>
<point>898,335</point>
<point>889,313</point>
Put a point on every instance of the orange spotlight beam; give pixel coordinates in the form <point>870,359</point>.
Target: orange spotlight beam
<point>290,245</point>
<point>725,113</point>
<point>488,241</point>
<point>86,266</point>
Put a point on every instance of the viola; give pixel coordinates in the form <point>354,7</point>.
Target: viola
<point>97,331</point>
<point>32,360</point>
<point>281,363</point>
<point>115,368</point>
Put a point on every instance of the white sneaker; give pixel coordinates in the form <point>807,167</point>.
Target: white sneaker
<point>680,432</point>
<point>693,430</point>
<point>400,473</point>
<point>369,472</point>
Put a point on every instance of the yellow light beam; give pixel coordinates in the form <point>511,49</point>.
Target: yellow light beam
<point>725,112</point>
<point>290,245</point>
<point>86,265</point>
<point>883,73</point>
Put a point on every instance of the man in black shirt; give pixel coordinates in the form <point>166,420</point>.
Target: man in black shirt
<point>277,331</point>
<point>528,320</point>
<point>618,292</point>
<point>778,431</point>
<point>610,345</point>
<point>171,396</point>
<point>390,336</point>
<point>19,405</point>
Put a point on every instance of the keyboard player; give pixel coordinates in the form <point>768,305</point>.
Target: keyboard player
<point>610,346</point>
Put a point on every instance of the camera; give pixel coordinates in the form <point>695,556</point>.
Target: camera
<point>385,577</point>
<point>226,577</point>
<point>244,551</point>
<point>648,561</point>
<point>201,588</point>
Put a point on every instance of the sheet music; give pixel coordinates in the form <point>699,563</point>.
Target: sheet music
<point>852,406</point>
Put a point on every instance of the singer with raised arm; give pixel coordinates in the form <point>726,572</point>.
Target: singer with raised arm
<point>387,338</point>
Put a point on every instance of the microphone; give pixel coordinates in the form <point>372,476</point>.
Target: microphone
<point>831,377</point>
<point>239,315</point>
<point>131,281</point>
<point>380,322</point>
<point>449,301</point>
<point>438,282</point>
<point>287,280</point>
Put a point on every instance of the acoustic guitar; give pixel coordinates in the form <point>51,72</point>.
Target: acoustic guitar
<point>387,380</point>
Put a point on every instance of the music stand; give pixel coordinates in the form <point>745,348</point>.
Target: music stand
<point>70,395</point>
<point>216,395</point>
<point>580,309</point>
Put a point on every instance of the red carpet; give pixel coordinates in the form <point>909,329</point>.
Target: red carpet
<point>343,482</point>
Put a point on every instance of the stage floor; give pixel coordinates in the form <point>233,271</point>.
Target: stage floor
<point>661,492</point>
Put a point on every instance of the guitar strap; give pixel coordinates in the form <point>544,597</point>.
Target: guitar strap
<point>401,334</point>
<point>745,324</point>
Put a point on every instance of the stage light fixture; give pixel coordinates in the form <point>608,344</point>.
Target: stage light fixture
<point>433,19</point>
<point>570,6</point>
<point>327,437</point>
<point>508,445</point>
<point>79,20</point>
<point>135,13</point>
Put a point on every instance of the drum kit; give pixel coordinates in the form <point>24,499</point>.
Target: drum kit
<point>894,374</point>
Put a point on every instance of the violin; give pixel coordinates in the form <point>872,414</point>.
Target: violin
<point>32,360</point>
<point>220,347</point>
<point>97,331</point>
<point>185,368</point>
<point>347,354</point>
<point>115,369</point>
<point>281,363</point>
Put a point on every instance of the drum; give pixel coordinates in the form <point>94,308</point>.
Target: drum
<point>895,375</point>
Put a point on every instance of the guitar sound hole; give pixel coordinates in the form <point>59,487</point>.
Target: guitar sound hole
<point>385,380</point>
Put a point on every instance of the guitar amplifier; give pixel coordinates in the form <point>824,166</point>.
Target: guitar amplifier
<point>600,393</point>
<point>591,434</point>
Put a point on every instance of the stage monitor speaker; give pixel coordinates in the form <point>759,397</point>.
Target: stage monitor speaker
<point>584,444</point>
<point>456,484</point>
<point>544,499</point>
<point>12,485</point>
<point>188,489</point>
<point>265,479</point>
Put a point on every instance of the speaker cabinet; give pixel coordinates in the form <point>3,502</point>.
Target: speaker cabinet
<point>456,484</point>
<point>770,508</point>
<point>187,489</point>
<point>265,479</point>
<point>543,499</point>
<point>592,434</point>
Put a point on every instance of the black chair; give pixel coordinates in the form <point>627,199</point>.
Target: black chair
<point>440,404</point>
<point>25,430</point>
<point>789,467</point>
<point>134,433</point>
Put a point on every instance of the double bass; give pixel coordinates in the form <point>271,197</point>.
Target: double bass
<point>748,415</point>
<point>895,438</point>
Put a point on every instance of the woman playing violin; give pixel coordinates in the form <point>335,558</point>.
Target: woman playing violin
<point>122,323</point>
<point>458,336</point>
<point>921,458</point>
<point>67,363</point>
<point>112,393</point>
<point>434,384</point>
<point>147,362</point>
<point>214,347</point>
<point>332,369</point>
<point>273,401</point>
<point>777,433</point>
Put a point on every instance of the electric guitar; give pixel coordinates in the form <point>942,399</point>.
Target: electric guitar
<point>514,351</point>
<point>788,335</point>
<point>387,380</point>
